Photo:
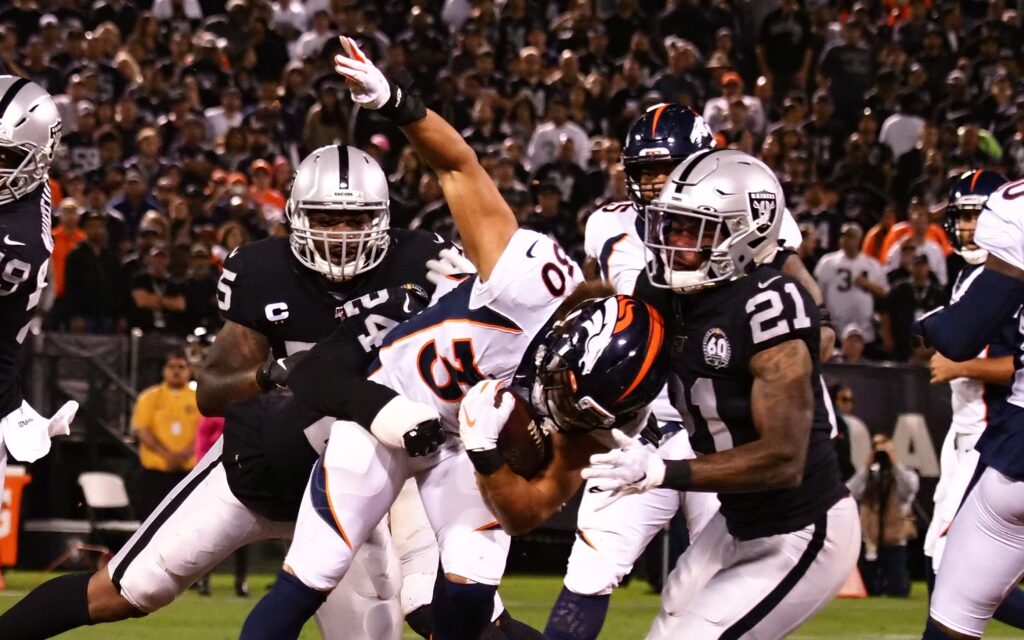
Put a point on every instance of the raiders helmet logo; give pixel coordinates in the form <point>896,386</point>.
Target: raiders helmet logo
<point>717,350</point>
<point>763,208</point>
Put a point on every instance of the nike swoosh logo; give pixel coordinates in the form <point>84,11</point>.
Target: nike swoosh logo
<point>13,243</point>
<point>438,239</point>
<point>764,285</point>
<point>529,252</point>
<point>470,421</point>
<point>406,307</point>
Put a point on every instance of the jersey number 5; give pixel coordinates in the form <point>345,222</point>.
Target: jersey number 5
<point>767,323</point>
<point>462,372</point>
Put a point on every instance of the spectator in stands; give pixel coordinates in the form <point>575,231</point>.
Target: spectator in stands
<point>543,146</point>
<point>847,69</point>
<point>908,300</point>
<point>551,218</point>
<point>784,48</point>
<point>885,491</point>
<point>851,283</point>
<point>852,345</point>
<point>158,302</point>
<point>91,275</point>
<point>902,130</point>
<point>566,174</point>
<point>165,420</point>
<point>716,110</point>
<point>924,235</point>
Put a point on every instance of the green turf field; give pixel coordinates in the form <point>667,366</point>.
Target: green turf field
<point>220,617</point>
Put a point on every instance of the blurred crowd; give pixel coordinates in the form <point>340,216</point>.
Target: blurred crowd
<point>183,120</point>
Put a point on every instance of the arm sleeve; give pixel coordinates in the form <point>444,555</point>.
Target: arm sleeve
<point>961,330</point>
<point>332,380</point>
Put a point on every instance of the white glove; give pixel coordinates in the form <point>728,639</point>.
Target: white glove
<point>632,468</point>
<point>369,87</point>
<point>402,419</point>
<point>449,262</point>
<point>27,434</point>
<point>480,422</point>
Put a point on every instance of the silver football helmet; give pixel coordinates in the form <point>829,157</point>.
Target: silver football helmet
<point>345,182</point>
<point>719,212</point>
<point>29,135</point>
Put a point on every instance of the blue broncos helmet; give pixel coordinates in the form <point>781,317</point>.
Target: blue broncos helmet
<point>601,366</point>
<point>966,199</point>
<point>659,140</point>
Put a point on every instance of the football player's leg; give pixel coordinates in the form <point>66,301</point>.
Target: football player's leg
<point>608,542</point>
<point>417,549</point>
<point>984,559</point>
<point>194,529</point>
<point>473,547</point>
<point>944,510</point>
<point>349,492</point>
<point>365,605</point>
<point>768,587</point>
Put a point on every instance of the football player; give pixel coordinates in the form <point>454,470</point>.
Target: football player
<point>340,264</point>
<point>480,329</point>
<point>29,135</point>
<point>745,343</point>
<point>984,555</point>
<point>610,540</point>
<point>979,386</point>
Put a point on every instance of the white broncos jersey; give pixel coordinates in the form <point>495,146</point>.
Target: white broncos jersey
<point>478,330</point>
<point>613,240</point>
<point>1001,232</point>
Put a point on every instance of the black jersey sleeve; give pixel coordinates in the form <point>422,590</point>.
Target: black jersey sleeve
<point>777,310</point>
<point>332,380</point>
<point>238,292</point>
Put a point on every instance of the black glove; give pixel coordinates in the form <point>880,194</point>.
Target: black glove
<point>273,374</point>
<point>423,439</point>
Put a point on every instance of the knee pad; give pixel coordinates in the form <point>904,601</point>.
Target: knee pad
<point>478,556</point>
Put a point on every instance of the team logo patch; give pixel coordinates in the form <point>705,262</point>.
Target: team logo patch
<point>717,349</point>
<point>763,208</point>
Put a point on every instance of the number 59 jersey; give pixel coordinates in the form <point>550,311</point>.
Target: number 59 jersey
<point>478,330</point>
<point>25,246</point>
<point>716,333</point>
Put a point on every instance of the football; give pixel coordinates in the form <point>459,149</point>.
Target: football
<point>525,447</point>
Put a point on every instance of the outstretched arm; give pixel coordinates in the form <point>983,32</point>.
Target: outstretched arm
<point>483,218</point>
<point>961,330</point>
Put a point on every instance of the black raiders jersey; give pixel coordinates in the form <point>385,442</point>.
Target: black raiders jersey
<point>263,287</point>
<point>716,332</point>
<point>271,485</point>
<point>25,246</point>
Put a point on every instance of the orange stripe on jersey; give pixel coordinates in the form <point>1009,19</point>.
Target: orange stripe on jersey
<point>657,116</point>
<point>330,505</point>
<point>490,525</point>
<point>625,314</point>
<point>974,180</point>
<point>476,323</point>
<point>655,336</point>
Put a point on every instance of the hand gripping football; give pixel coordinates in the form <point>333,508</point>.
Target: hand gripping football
<point>526,448</point>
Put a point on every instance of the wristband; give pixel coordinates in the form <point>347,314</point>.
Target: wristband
<point>403,107</point>
<point>678,475</point>
<point>487,461</point>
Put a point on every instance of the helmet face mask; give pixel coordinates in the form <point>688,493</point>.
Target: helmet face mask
<point>339,226</point>
<point>30,129</point>
<point>718,214</point>
<point>600,367</point>
<point>657,141</point>
<point>966,200</point>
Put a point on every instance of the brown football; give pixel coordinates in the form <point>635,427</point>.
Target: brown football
<point>525,447</point>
